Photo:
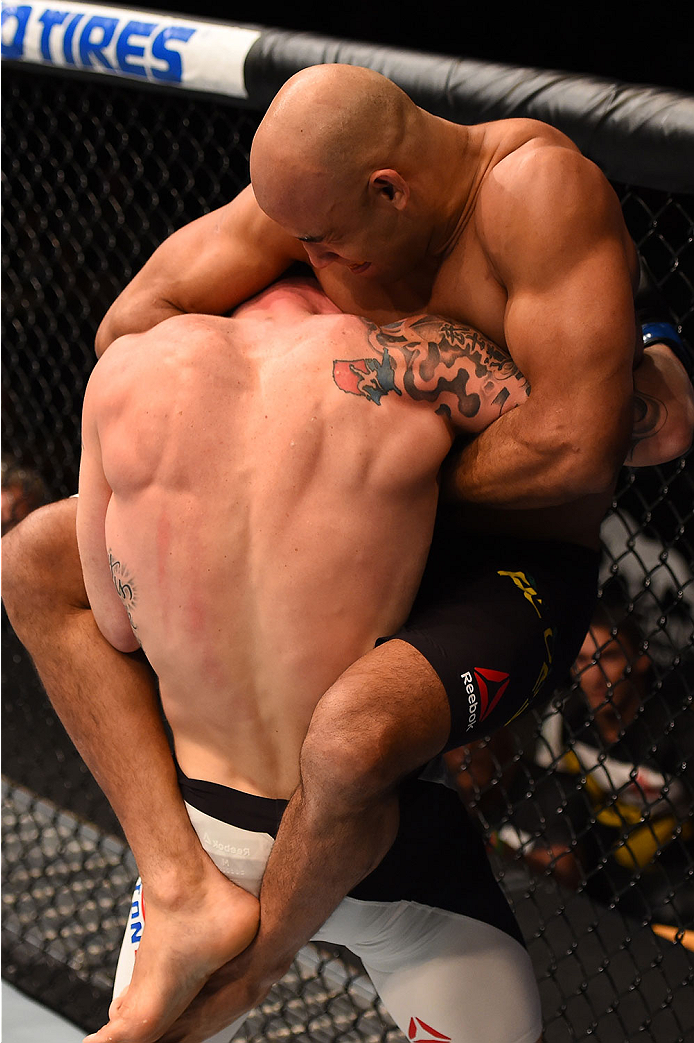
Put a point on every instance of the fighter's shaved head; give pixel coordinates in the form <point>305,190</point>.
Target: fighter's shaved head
<point>346,163</point>
<point>329,125</point>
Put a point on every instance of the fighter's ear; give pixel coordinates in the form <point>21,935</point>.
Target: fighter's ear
<point>390,187</point>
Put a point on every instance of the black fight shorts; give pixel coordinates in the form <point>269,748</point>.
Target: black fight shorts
<point>438,857</point>
<point>501,621</point>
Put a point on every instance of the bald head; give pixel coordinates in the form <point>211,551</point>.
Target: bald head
<point>329,125</point>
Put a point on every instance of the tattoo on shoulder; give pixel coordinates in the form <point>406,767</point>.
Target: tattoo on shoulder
<point>433,360</point>
<point>125,587</point>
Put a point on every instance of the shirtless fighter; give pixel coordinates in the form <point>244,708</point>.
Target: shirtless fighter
<point>504,226</point>
<point>253,578</point>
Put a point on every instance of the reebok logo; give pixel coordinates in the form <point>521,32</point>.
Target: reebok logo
<point>491,685</point>
<point>420,1032</point>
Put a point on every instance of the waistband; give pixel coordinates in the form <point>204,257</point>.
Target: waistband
<point>473,549</point>
<point>236,808</point>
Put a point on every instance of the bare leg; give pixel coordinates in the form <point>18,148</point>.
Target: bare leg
<point>196,919</point>
<point>385,717</point>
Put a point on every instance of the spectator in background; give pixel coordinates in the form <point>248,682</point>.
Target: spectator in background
<point>23,490</point>
<point>526,811</point>
<point>607,803</point>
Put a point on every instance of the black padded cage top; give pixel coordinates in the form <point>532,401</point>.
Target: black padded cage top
<point>102,159</point>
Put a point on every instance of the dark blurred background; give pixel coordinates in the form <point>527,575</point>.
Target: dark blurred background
<point>638,42</point>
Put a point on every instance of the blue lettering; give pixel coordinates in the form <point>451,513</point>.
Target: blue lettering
<point>125,49</point>
<point>67,39</point>
<point>88,46</point>
<point>174,73</point>
<point>135,932</point>
<point>48,19</point>
<point>15,47</point>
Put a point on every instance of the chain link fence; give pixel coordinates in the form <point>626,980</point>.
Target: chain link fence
<point>592,840</point>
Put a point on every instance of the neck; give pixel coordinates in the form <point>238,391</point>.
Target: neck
<point>452,181</point>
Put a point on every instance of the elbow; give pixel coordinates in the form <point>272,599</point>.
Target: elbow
<point>117,632</point>
<point>126,643</point>
<point>123,640</point>
<point>579,470</point>
<point>682,436</point>
<point>104,335</point>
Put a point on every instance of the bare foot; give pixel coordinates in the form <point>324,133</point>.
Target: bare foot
<point>181,947</point>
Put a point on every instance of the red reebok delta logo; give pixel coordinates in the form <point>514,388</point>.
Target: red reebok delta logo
<point>487,681</point>
<point>417,1026</point>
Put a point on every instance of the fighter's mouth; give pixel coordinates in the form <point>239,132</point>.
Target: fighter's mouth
<point>359,268</point>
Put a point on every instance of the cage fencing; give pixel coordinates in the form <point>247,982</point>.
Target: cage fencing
<point>95,176</point>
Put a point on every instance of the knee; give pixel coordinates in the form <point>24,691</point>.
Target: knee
<point>349,761</point>
<point>40,562</point>
<point>360,756</point>
<point>386,716</point>
<point>341,770</point>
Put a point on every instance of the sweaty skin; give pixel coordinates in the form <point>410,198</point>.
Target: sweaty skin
<point>508,229</point>
<point>511,230</point>
<point>252,579</point>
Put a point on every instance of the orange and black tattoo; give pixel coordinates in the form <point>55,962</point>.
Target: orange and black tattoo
<point>437,361</point>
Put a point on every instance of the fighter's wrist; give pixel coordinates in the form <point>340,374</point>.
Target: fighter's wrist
<point>263,964</point>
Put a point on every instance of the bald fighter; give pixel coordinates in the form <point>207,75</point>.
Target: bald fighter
<point>504,226</point>
<point>257,497</point>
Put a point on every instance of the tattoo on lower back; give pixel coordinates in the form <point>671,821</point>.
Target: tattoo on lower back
<point>125,586</point>
<point>433,360</point>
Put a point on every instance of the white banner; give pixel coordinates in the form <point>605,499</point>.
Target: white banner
<point>136,45</point>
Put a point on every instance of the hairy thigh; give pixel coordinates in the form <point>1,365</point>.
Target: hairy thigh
<point>388,710</point>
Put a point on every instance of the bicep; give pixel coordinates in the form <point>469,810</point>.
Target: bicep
<point>453,368</point>
<point>569,320</point>
<point>574,336</point>
<point>92,505</point>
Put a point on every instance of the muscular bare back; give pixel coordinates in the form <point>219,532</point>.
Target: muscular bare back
<point>504,226</point>
<point>268,495</point>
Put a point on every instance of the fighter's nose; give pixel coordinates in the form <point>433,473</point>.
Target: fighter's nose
<point>319,256</point>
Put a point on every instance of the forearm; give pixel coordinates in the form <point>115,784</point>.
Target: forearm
<point>320,854</point>
<point>207,267</point>
<point>183,276</point>
<point>133,312</point>
<point>525,461</point>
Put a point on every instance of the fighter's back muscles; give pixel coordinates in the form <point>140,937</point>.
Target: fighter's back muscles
<point>208,266</point>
